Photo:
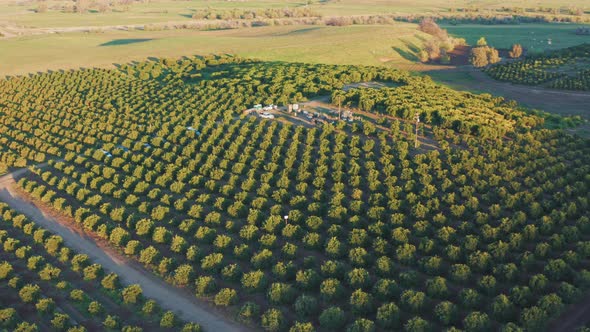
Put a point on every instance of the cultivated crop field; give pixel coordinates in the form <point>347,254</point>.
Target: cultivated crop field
<point>338,226</point>
<point>265,165</point>
<point>46,286</point>
<point>567,69</point>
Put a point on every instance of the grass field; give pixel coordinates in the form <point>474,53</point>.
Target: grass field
<point>351,7</point>
<point>138,13</point>
<point>531,36</point>
<point>458,80</point>
<point>23,13</point>
<point>369,45</point>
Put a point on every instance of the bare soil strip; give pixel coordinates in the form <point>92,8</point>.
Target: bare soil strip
<point>130,272</point>
<point>550,100</point>
<point>573,317</point>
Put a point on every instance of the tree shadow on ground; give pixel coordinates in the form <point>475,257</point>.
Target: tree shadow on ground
<point>410,52</point>
<point>411,46</point>
<point>299,31</point>
<point>127,41</point>
<point>422,38</point>
<point>408,55</point>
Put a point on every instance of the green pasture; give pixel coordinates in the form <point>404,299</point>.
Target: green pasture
<point>368,45</point>
<point>352,7</point>
<point>533,37</point>
<point>23,12</point>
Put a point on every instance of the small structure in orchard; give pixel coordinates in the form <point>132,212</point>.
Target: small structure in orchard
<point>198,133</point>
<point>106,153</point>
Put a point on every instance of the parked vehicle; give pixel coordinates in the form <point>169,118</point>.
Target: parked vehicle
<point>267,115</point>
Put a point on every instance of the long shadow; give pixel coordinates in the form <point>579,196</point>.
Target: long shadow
<point>411,46</point>
<point>299,31</point>
<point>422,38</point>
<point>127,41</point>
<point>408,55</point>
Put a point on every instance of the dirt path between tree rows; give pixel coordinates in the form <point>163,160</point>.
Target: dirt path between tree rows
<point>572,318</point>
<point>129,271</point>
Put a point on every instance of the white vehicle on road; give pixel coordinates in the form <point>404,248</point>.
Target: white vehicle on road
<point>267,115</point>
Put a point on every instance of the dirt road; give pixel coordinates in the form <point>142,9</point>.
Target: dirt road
<point>549,100</point>
<point>130,272</point>
<point>572,318</point>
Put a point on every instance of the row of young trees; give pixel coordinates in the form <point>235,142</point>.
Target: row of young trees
<point>47,285</point>
<point>477,234</point>
<point>547,68</point>
<point>580,81</point>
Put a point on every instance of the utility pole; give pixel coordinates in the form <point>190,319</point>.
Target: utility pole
<point>417,118</point>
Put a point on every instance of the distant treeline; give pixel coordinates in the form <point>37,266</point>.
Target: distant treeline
<point>537,69</point>
<point>520,10</point>
<point>494,18</point>
<point>504,15</point>
<point>385,19</point>
<point>246,23</point>
<point>453,17</point>
<point>252,14</point>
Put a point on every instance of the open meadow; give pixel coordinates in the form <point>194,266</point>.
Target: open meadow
<point>23,13</point>
<point>368,45</point>
<point>534,38</point>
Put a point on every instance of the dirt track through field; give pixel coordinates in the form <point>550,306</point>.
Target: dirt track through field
<point>130,272</point>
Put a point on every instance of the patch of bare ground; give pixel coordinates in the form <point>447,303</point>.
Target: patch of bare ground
<point>573,317</point>
<point>319,110</point>
<point>460,55</point>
